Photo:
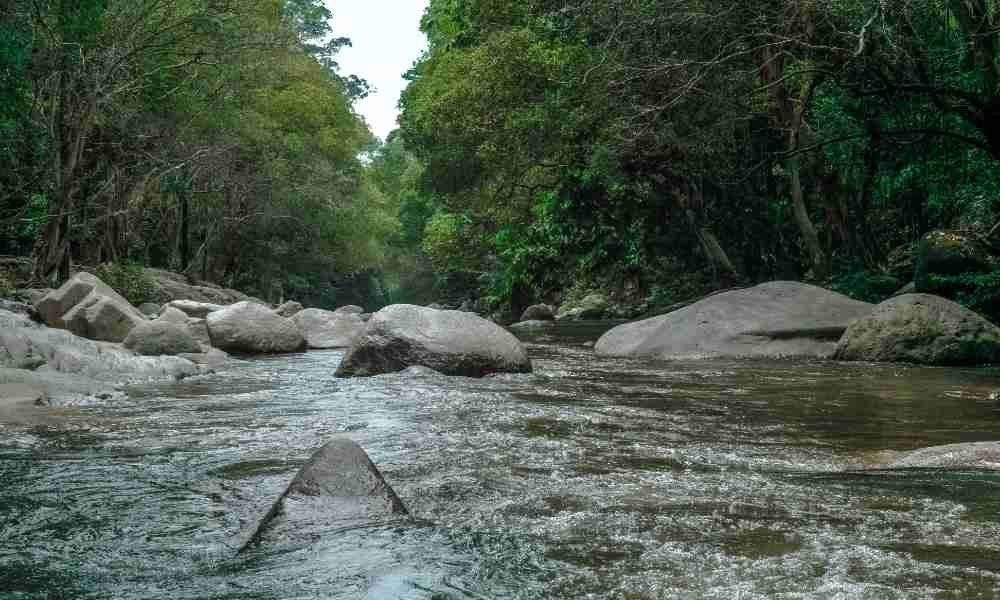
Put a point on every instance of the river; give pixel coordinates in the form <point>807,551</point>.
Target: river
<point>591,478</point>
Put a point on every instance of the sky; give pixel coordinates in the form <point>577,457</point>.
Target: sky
<point>386,41</point>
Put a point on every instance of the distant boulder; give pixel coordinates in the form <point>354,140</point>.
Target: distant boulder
<point>448,341</point>
<point>538,312</point>
<point>325,329</point>
<point>776,319</point>
<point>921,329</point>
<point>252,328</point>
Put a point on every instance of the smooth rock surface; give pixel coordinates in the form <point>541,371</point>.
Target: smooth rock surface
<point>252,328</point>
<point>776,319</point>
<point>921,329</point>
<point>150,309</point>
<point>448,341</point>
<point>170,286</point>
<point>156,338</point>
<point>89,308</point>
<point>192,308</point>
<point>338,484</point>
<point>325,329</point>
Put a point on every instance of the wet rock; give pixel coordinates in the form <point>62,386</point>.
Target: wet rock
<point>252,328</point>
<point>155,338</point>
<point>208,357</point>
<point>289,309</point>
<point>452,342</point>
<point>22,394</point>
<point>921,329</point>
<point>974,455</point>
<point>339,484</point>
<point>325,329</point>
<point>191,308</point>
<point>776,319</point>
<point>538,312</point>
<point>350,309</point>
<point>89,308</point>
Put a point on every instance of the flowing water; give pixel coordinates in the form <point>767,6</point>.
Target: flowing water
<point>591,478</point>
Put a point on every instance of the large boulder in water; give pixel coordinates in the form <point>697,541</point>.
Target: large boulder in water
<point>325,329</point>
<point>921,329</point>
<point>289,309</point>
<point>339,484</point>
<point>253,328</point>
<point>89,308</point>
<point>449,341</point>
<point>776,319</point>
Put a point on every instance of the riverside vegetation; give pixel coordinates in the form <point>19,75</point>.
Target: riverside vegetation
<point>651,151</point>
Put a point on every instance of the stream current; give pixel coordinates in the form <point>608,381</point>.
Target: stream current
<point>590,478</point>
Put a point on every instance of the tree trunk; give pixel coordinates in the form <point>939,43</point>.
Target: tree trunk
<point>817,256</point>
<point>185,233</point>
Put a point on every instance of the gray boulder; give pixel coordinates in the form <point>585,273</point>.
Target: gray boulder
<point>921,329</point>
<point>325,329</point>
<point>528,325</point>
<point>289,309</point>
<point>776,319</point>
<point>448,341</point>
<point>18,307</point>
<point>156,338</point>
<point>338,485</point>
<point>169,286</point>
<point>89,308</point>
<point>191,308</point>
<point>538,312</point>
<point>351,309</point>
<point>195,326</point>
<point>252,328</point>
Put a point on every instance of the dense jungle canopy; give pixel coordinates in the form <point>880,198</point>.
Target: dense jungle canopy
<point>656,149</point>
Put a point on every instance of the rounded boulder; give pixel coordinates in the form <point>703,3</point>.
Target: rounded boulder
<point>248,327</point>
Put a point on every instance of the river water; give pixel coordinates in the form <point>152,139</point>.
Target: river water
<point>591,478</point>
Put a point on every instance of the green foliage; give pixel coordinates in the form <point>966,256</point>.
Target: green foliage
<point>6,285</point>
<point>128,279</point>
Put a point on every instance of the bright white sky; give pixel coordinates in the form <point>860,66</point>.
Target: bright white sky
<point>387,40</point>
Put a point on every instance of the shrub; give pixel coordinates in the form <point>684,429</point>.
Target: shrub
<point>129,280</point>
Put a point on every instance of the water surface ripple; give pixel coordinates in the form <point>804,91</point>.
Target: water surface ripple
<point>591,478</point>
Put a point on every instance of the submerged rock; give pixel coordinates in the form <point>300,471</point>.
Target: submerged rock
<point>449,341</point>
<point>971,455</point>
<point>89,308</point>
<point>324,329</point>
<point>921,329</point>
<point>776,319</point>
<point>252,328</point>
<point>339,484</point>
